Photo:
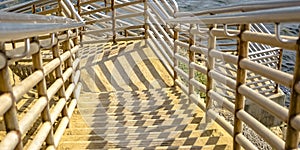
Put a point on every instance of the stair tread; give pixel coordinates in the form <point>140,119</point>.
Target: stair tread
<point>140,135</point>
<point>154,128</point>
<point>195,141</point>
<point>97,103</point>
<point>146,122</point>
<point>118,109</point>
<point>154,112</point>
<point>138,117</point>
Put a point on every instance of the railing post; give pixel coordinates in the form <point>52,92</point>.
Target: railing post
<point>146,19</point>
<point>279,68</point>
<point>10,117</point>
<point>59,75</point>
<point>105,5</point>
<point>59,9</point>
<point>33,9</point>
<point>113,20</point>
<point>210,65</point>
<point>292,136</point>
<point>176,35</point>
<point>240,80</point>
<point>191,60</point>
<point>69,64</point>
<point>37,62</point>
<point>81,29</point>
<point>79,7</point>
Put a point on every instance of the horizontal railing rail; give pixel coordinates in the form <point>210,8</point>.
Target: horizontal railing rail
<point>244,7</point>
<point>28,6</point>
<point>281,15</point>
<point>6,2</point>
<point>46,7</point>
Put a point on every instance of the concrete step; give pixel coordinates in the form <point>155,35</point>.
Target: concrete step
<point>174,142</point>
<point>107,103</point>
<point>104,130</point>
<point>135,135</point>
<point>207,147</point>
<point>154,112</point>
<point>104,117</point>
<point>96,122</point>
<point>120,109</point>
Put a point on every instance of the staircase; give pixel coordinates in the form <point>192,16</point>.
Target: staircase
<point>154,119</point>
<point>132,74</point>
<point>135,106</point>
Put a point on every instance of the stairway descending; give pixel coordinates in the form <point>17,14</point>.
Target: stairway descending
<point>149,119</point>
<point>128,102</point>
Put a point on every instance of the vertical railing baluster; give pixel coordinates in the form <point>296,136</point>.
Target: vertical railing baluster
<point>33,9</point>
<point>105,5</point>
<point>176,36</point>
<point>10,117</point>
<point>292,135</point>
<point>59,9</point>
<point>69,63</point>
<point>78,7</point>
<point>113,16</point>
<point>279,68</point>
<point>59,75</point>
<point>37,62</point>
<point>240,80</point>
<point>191,60</point>
<point>146,19</point>
<point>79,13</point>
<point>210,65</point>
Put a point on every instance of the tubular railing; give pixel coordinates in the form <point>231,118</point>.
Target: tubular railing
<point>183,43</point>
<point>115,20</point>
<point>243,64</point>
<point>245,7</point>
<point>47,113</point>
<point>47,7</point>
<point>121,20</point>
<point>261,53</point>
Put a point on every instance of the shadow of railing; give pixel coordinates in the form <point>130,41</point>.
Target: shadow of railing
<point>124,66</point>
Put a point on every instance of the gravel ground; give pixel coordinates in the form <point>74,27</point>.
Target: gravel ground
<point>249,133</point>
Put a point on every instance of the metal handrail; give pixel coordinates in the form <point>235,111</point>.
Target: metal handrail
<point>22,29</point>
<point>175,6</point>
<point>6,2</point>
<point>25,4</point>
<point>245,7</point>
<point>73,11</point>
<point>32,18</point>
<point>272,15</point>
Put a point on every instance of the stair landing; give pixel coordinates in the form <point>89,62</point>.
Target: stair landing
<point>137,107</point>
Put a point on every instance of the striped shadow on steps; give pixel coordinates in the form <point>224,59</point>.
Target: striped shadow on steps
<point>128,101</point>
<point>152,119</point>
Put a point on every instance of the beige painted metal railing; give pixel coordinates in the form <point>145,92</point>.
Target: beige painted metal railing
<point>25,39</point>
<point>167,31</point>
<point>244,64</point>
